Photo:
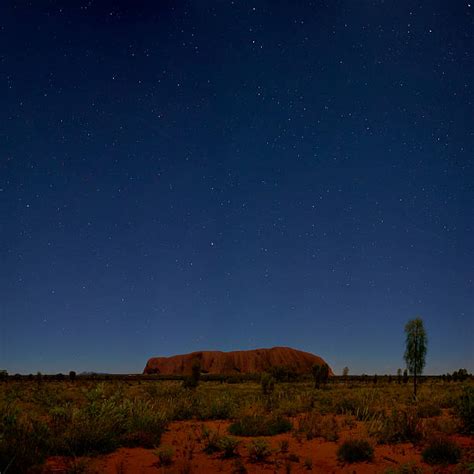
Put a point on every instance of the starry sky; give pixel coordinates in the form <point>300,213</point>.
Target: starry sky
<point>187,175</point>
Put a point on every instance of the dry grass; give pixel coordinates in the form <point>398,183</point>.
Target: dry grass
<point>86,417</point>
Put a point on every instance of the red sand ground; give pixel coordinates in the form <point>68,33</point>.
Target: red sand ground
<point>236,362</point>
<point>185,438</point>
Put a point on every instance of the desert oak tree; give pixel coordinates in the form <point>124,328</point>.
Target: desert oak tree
<point>415,348</point>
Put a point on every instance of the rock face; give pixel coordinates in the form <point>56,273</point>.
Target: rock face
<point>236,362</point>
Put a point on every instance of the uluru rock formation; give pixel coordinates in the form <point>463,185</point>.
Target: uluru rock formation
<point>235,362</point>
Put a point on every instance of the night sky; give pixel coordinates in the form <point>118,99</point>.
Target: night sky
<point>188,175</point>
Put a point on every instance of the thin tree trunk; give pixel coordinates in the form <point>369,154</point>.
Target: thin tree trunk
<point>416,360</point>
<point>414,381</point>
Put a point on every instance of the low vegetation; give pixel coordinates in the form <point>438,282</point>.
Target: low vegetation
<point>72,417</point>
<point>259,450</point>
<point>441,450</point>
<point>355,450</point>
<point>260,425</point>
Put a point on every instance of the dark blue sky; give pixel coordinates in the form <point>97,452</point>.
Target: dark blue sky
<point>178,176</point>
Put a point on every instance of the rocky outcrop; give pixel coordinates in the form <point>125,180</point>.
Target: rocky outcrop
<point>235,362</point>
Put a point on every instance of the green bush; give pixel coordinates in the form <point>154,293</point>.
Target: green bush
<point>211,440</point>
<point>268,384</point>
<point>144,423</point>
<point>316,426</point>
<point>320,374</point>
<point>399,427</point>
<point>104,424</point>
<point>24,442</point>
<point>165,455</point>
<point>228,446</point>
<point>218,407</point>
<point>283,373</point>
<point>193,380</point>
<point>441,451</point>
<point>259,425</point>
<point>464,409</point>
<point>355,450</point>
<point>259,450</point>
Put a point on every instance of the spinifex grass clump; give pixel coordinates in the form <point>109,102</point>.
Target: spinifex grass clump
<point>355,450</point>
<point>427,409</point>
<point>260,425</point>
<point>103,423</point>
<point>23,441</point>
<point>228,446</point>
<point>259,450</point>
<point>441,450</point>
<point>400,426</point>
<point>165,455</point>
<point>211,440</point>
<point>464,409</point>
<point>314,425</point>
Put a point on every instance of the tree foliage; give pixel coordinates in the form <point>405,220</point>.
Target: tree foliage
<point>415,348</point>
<point>193,380</point>
<point>320,374</point>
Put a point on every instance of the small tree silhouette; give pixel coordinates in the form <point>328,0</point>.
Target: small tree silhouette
<point>415,351</point>
<point>320,374</point>
<point>345,372</point>
<point>193,380</point>
<point>405,376</point>
<point>399,376</point>
<point>268,384</point>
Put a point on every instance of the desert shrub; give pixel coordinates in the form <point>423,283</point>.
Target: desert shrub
<point>165,455</point>
<point>181,405</point>
<point>290,404</point>
<point>441,450</point>
<point>364,405</point>
<point>268,384</point>
<point>464,409</point>
<point>193,380</point>
<point>24,442</point>
<point>259,450</point>
<point>260,425</point>
<point>320,374</point>
<point>283,373</point>
<point>428,409</point>
<point>144,423</point>
<point>316,426</point>
<point>400,426</point>
<point>46,396</point>
<point>211,440</point>
<point>308,464</point>
<point>59,416</point>
<point>355,450</point>
<point>346,406</point>
<point>91,431</point>
<point>283,446</point>
<point>440,425</point>
<point>228,446</point>
<point>218,407</point>
<point>103,424</point>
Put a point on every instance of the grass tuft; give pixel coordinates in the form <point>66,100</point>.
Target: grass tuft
<point>355,450</point>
